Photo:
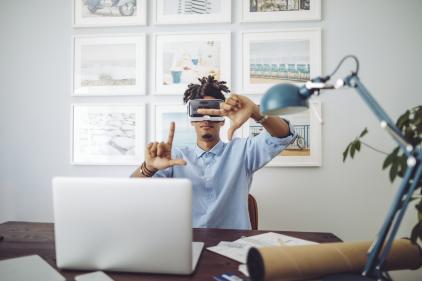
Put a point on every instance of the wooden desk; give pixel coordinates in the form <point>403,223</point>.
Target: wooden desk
<point>23,238</point>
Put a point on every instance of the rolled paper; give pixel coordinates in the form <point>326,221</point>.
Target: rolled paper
<point>294,263</point>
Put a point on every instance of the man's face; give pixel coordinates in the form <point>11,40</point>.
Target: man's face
<point>208,130</point>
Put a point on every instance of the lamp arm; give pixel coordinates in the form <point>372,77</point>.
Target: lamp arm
<point>405,202</point>
<point>353,81</point>
<point>379,250</point>
<point>374,263</point>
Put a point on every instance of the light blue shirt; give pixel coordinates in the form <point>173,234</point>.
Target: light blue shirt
<point>221,178</point>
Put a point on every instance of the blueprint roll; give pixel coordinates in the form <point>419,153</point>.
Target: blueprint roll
<point>293,263</point>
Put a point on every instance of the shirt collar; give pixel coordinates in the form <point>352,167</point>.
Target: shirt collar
<point>216,150</point>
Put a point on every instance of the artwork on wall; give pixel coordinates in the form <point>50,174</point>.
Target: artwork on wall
<point>164,114</point>
<point>108,134</point>
<point>191,11</point>
<point>113,65</point>
<point>108,12</point>
<point>183,58</point>
<point>280,10</point>
<point>306,149</point>
<point>269,58</point>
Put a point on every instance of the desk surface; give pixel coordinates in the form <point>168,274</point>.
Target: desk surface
<point>23,238</point>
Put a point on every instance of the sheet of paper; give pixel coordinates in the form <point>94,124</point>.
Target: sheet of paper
<point>243,269</point>
<point>28,268</point>
<point>93,276</point>
<point>238,250</point>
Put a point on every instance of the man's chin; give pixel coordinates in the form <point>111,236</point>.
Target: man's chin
<point>207,137</point>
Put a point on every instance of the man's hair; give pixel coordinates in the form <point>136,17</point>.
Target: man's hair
<point>208,87</point>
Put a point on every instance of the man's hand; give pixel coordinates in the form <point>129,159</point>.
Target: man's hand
<point>237,108</point>
<point>158,155</point>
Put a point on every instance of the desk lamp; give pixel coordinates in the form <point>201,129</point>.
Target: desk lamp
<point>287,98</point>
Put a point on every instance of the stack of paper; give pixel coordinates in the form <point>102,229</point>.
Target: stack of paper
<point>238,250</point>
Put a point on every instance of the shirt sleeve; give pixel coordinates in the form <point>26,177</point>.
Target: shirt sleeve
<point>263,148</point>
<point>164,173</point>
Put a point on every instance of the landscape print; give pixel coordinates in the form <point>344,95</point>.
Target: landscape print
<point>108,65</point>
<point>107,134</point>
<point>279,5</point>
<point>301,124</point>
<point>108,8</point>
<point>277,61</point>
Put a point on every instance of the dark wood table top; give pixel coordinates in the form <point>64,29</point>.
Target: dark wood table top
<point>24,238</point>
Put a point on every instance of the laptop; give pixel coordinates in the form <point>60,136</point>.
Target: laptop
<point>125,224</point>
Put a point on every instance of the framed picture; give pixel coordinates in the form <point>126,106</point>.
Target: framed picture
<point>185,135</point>
<point>306,149</point>
<point>280,10</point>
<point>93,13</point>
<point>191,11</point>
<point>108,66</point>
<point>269,58</point>
<point>183,58</point>
<point>108,134</point>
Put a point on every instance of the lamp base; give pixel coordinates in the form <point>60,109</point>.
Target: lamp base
<point>347,277</point>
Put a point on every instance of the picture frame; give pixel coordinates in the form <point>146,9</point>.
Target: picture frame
<point>192,11</point>
<point>97,13</point>
<point>183,58</point>
<point>107,134</point>
<point>274,57</point>
<point>280,10</point>
<point>306,150</point>
<point>109,65</point>
<point>163,114</point>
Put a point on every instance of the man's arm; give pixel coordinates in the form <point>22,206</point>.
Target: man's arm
<point>240,108</point>
<point>274,125</point>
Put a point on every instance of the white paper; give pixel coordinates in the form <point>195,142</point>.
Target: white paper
<point>93,276</point>
<point>238,250</point>
<point>243,269</point>
<point>28,268</point>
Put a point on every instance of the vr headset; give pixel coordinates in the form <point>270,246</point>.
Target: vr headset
<point>194,105</point>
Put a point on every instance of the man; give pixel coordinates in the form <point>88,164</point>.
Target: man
<point>221,173</point>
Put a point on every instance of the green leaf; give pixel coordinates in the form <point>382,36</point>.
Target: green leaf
<point>416,232</point>
<point>353,149</point>
<point>419,208</point>
<point>358,145</point>
<point>403,119</point>
<point>392,157</point>
<point>393,171</point>
<point>346,151</point>
<point>364,132</point>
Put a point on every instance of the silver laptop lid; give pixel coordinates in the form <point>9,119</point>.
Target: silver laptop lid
<point>123,224</point>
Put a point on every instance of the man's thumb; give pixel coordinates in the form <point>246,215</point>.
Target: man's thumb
<point>179,162</point>
<point>230,132</point>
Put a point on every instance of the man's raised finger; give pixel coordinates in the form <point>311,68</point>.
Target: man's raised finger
<point>171,133</point>
<point>230,132</point>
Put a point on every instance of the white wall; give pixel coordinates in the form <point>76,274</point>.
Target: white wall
<point>349,199</point>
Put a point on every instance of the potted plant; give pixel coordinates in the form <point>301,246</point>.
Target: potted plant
<point>410,124</point>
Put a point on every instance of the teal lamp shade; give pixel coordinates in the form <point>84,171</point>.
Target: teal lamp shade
<point>283,99</point>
